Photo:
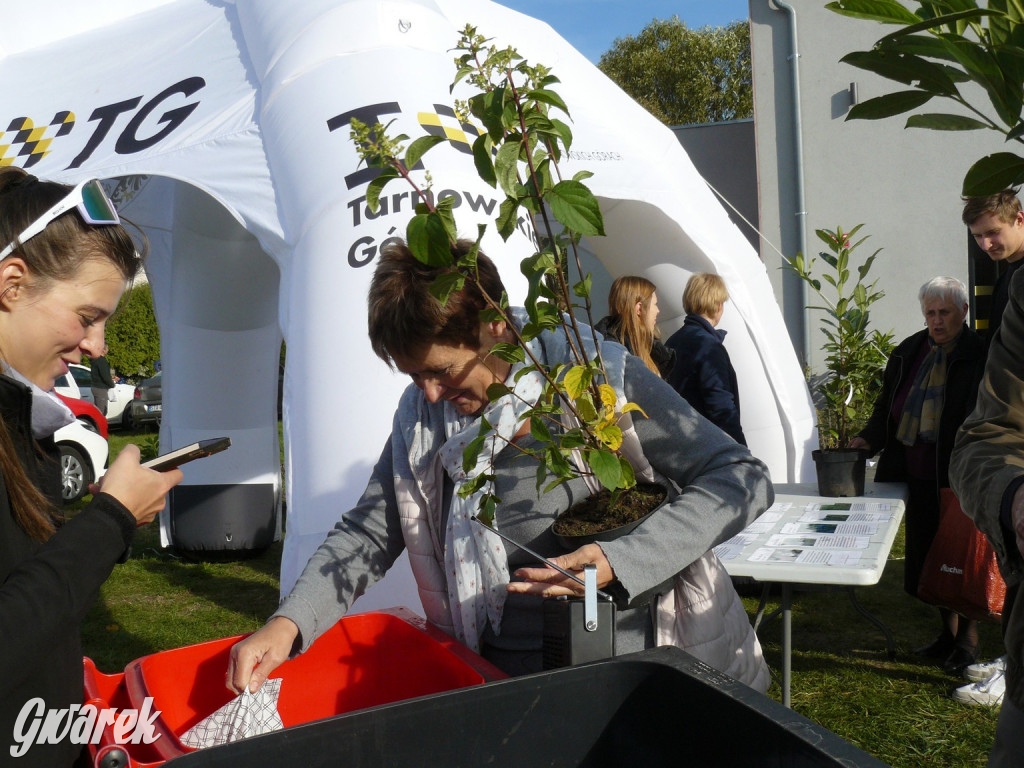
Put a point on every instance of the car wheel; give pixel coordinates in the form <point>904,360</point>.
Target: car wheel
<point>76,474</point>
<point>126,418</point>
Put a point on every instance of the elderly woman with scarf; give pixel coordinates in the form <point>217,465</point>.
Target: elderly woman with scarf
<point>486,595</point>
<point>931,384</point>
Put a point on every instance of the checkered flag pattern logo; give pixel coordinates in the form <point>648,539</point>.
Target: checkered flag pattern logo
<point>24,140</point>
<point>443,122</point>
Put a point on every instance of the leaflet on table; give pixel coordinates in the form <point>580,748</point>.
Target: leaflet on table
<point>849,529</point>
<point>805,556</point>
<point>819,541</point>
<point>767,520</point>
<point>730,550</point>
<point>867,507</point>
<point>818,516</point>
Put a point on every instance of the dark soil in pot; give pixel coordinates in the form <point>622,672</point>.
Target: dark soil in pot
<point>594,516</point>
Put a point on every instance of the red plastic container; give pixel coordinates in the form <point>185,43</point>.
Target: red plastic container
<point>363,661</point>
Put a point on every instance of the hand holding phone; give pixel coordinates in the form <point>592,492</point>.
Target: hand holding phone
<point>181,456</point>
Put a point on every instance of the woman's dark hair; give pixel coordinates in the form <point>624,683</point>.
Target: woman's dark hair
<point>55,254</point>
<point>403,317</point>
<point>58,251</point>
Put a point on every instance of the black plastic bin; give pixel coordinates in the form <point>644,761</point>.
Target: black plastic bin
<point>656,708</point>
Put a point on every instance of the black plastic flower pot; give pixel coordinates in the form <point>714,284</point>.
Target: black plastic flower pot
<point>840,471</point>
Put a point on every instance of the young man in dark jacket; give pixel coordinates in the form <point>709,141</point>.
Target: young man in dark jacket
<point>987,473</point>
<point>703,373</point>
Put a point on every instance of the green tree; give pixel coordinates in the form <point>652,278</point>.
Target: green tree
<point>133,335</point>
<point>684,76</point>
<point>937,48</point>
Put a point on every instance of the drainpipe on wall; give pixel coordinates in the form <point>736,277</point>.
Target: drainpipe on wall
<point>798,161</point>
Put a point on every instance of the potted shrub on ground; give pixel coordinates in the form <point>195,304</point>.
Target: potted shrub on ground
<point>577,421</point>
<point>855,357</point>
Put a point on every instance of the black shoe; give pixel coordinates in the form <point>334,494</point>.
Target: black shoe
<point>938,649</point>
<point>958,660</point>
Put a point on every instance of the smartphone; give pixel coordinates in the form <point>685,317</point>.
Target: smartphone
<point>188,453</point>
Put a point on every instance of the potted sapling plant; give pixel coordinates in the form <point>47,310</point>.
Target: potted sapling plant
<point>855,357</point>
<point>577,420</point>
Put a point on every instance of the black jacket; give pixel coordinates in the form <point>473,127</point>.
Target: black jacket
<point>964,370</point>
<point>46,589</point>
<point>101,378</point>
<point>663,357</point>
<point>703,374</point>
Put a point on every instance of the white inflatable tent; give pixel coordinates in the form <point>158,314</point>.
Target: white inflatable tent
<point>226,127</point>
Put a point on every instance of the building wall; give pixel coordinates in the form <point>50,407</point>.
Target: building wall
<point>725,156</point>
<point>902,184</point>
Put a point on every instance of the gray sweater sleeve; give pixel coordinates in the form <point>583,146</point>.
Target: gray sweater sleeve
<point>724,487</point>
<point>355,555</point>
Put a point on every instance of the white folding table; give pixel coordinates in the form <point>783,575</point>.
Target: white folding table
<point>782,570</point>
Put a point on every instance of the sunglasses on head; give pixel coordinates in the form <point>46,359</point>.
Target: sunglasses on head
<point>93,206</point>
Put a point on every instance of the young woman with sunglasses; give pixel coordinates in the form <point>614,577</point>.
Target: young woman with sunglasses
<point>64,264</point>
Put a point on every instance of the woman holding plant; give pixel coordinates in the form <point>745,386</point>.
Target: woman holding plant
<point>423,493</point>
<point>931,384</point>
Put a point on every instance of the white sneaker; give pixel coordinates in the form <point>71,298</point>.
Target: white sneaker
<point>983,670</point>
<point>987,693</point>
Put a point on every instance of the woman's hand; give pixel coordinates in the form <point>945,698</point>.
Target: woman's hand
<point>858,442</point>
<point>143,491</point>
<point>254,658</point>
<point>550,583</point>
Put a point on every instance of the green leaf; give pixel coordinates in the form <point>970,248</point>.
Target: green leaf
<point>506,166</point>
<point>482,159</point>
<point>508,217</point>
<point>446,212</point>
<point>905,68</point>
<point>576,208</point>
<point>419,148</point>
<point>548,97</point>
<point>993,173</point>
<point>444,285</point>
<point>582,288</point>
<point>885,11</point>
<point>564,133</point>
<point>427,238</point>
<point>628,475</point>
<point>539,430</point>
<point>474,484</point>
<point>888,105</point>
<point>488,504</point>
<point>510,353</point>
<point>497,390</point>
<point>375,187</point>
<point>606,468</point>
<point>586,409</point>
<point>945,122</point>
<point>949,19</point>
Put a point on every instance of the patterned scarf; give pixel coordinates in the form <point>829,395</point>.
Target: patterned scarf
<point>920,418</point>
<point>48,412</point>
<point>475,561</point>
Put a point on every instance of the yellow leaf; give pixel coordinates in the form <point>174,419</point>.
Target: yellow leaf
<point>610,435</point>
<point>608,401</point>
<point>576,380</point>
<point>634,407</point>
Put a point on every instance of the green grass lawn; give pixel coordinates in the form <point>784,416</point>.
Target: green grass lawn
<point>898,710</point>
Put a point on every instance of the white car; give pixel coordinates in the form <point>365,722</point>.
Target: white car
<point>77,382</point>
<point>83,459</point>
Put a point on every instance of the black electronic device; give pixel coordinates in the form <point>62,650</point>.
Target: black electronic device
<point>576,629</point>
<point>191,452</point>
